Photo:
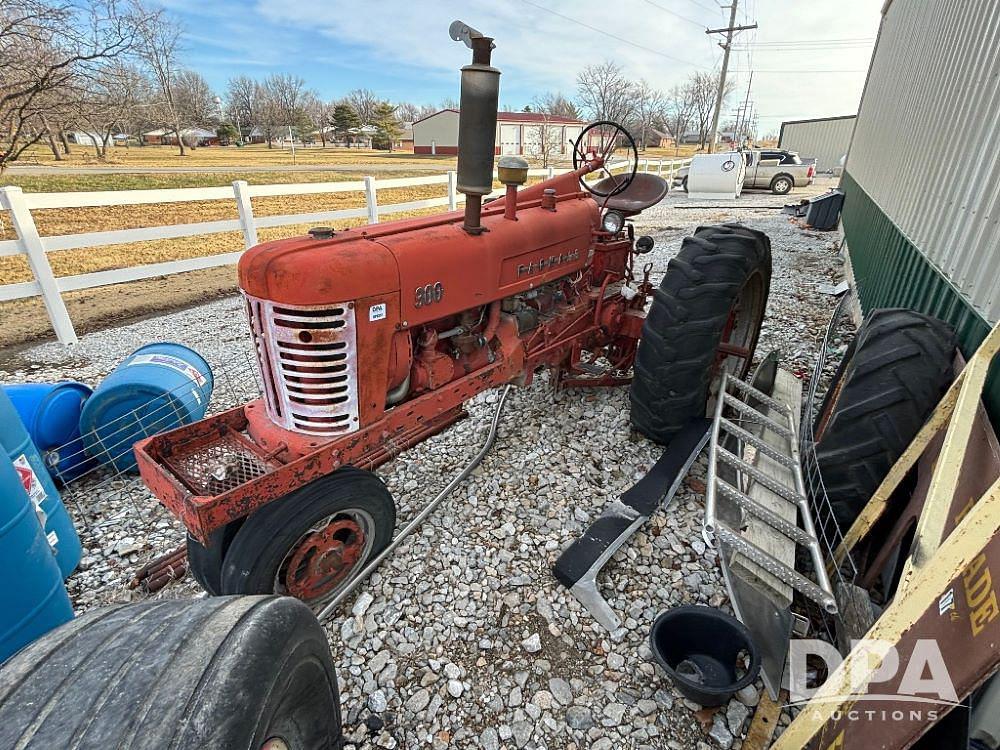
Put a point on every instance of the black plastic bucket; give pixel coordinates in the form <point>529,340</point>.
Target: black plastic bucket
<point>703,652</point>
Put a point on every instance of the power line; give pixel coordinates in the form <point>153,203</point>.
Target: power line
<point>678,15</point>
<point>613,36</point>
<point>821,41</point>
<point>810,48</point>
<point>716,9</point>
<point>758,70</point>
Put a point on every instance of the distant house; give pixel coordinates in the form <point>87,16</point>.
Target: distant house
<point>168,137</point>
<point>405,141</point>
<point>523,133</point>
<point>659,138</point>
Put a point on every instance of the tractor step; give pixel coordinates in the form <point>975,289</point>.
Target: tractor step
<point>579,564</point>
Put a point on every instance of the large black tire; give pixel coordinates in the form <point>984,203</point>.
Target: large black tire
<point>205,561</point>
<point>258,559</point>
<point>891,378</point>
<point>227,674</point>
<point>676,364</point>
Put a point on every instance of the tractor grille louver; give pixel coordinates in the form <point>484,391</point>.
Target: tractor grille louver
<point>308,362</point>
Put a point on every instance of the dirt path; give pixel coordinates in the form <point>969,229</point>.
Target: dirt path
<point>26,321</point>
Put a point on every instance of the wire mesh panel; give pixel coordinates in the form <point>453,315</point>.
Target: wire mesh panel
<point>95,490</point>
<point>839,330</point>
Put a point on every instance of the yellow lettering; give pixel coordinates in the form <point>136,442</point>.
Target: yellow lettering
<point>984,614</point>
<point>974,567</point>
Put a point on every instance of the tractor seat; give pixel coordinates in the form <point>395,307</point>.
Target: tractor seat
<point>644,191</point>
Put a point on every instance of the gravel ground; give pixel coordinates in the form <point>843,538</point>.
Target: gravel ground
<point>464,638</point>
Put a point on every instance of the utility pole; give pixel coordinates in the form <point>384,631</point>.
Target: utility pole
<point>729,30</point>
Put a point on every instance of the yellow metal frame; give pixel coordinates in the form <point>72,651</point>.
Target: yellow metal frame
<point>934,562</point>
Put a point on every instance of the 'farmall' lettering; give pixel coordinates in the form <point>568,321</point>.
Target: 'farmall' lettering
<point>538,266</point>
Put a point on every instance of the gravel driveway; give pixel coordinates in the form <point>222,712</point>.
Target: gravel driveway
<point>464,639</point>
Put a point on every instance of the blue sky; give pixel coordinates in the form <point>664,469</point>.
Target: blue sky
<point>401,49</point>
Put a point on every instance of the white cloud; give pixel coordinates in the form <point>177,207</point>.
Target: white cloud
<point>538,51</point>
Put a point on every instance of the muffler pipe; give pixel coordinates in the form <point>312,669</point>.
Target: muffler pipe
<point>477,123</point>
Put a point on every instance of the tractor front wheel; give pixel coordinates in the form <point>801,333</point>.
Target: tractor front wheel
<point>705,319</point>
<point>310,543</point>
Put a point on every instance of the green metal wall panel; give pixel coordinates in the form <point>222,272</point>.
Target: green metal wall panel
<point>890,271</point>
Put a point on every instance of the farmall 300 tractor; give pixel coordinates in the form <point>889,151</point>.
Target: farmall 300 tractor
<point>369,340</point>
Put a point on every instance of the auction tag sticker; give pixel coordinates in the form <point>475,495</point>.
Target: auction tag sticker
<point>376,312</point>
<point>174,363</point>
<point>29,480</point>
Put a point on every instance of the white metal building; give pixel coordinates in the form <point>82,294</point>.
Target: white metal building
<point>825,139</point>
<point>522,133</point>
<point>922,178</point>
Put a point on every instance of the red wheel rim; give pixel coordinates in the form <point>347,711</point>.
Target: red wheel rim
<point>739,335</point>
<point>324,558</point>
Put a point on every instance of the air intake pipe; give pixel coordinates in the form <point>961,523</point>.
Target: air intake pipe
<point>477,123</point>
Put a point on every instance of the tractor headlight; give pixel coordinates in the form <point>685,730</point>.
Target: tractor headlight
<point>613,222</point>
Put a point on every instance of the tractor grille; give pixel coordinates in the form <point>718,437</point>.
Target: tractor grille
<point>308,362</point>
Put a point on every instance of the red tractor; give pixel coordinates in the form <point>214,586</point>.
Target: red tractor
<point>370,340</point>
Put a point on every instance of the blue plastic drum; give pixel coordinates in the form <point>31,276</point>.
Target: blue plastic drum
<point>34,478</point>
<point>157,388</point>
<point>33,599</point>
<point>51,412</point>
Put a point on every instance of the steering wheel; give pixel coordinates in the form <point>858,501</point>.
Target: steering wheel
<point>616,146</point>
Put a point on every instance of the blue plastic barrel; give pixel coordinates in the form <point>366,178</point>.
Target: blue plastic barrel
<point>37,482</point>
<point>156,388</point>
<point>33,599</point>
<point>51,412</point>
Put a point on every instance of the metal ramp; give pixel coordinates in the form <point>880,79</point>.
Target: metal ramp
<point>758,514</point>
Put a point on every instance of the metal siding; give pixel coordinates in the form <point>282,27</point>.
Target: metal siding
<point>926,148</point>
<point>825,140</point>
<point>889,271</point>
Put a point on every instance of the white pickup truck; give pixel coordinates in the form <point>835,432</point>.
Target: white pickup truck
<point>769,169</point>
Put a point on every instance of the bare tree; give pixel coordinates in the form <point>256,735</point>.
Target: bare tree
<point>605,93</point>
<point>284,99</point>
<point>407,112</point>
<point>678,112</point>
<point>44,47</point>
<point>365,103</point>
<point>546,140</point>
<point>241,102</point>
<point>195,100</point>
<point>703,89</point>
<point>159,48</point>
<point>554,103</point>
<point>112,102</point>
<point>650,109</point>
<point>318,112</point>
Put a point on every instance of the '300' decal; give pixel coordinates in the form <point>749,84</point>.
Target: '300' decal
<point>428,294</point>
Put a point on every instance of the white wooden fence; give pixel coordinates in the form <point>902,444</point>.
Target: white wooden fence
<point>29,242</point>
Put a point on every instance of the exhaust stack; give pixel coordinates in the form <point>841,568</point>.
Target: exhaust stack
<point>477,123</point>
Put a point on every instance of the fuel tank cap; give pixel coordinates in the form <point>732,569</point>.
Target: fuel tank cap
<point>321,233</point>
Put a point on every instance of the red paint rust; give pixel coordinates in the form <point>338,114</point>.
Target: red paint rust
<point>569,270</point>
<point>324,559</point>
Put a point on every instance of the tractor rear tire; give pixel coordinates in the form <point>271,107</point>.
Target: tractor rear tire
<point>311,542</point>
<point>678,363</point>
<point>888,383</point>
<point>223,673</point>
